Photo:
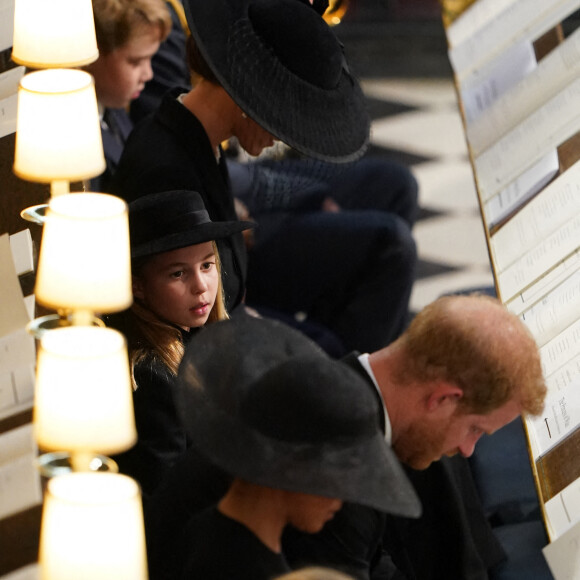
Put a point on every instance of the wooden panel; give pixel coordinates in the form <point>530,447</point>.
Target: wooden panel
<point>17,194</point>
<point>19,538</point>
<point>19,533</point>
<point>560,466</point>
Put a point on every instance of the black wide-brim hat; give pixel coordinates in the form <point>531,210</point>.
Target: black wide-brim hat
<point>266,405</point>
<point>284,67</point>
<point>169,220</point>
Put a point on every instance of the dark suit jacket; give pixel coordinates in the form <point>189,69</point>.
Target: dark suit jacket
<point>116,127</point>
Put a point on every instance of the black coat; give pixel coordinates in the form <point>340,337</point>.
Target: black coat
<point>116,126</point>
<point>219,548</point>
<point>161,437</point>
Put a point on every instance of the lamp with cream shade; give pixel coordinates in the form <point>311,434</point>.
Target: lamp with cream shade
<point>92,528</point>
<point>84,265</point>
<point>83,401</point>
<point>58,132</point>
<point>59,33</point>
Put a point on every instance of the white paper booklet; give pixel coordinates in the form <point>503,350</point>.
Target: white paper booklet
<point>473,19</point>
<point>13,313</point>
<point>480,94</point>
<point>561,349</point>
<point>17,364</point>
<point>563,510</point>
<point>560,417</point>
<point>20,486</point>
<point>563,555</point>
<point>555,312</point>
<point>6,23</point>
<point>532,294</point>
<point>545,129</point>
<point>31,572</point>
<point>541,217</point>
<point>566,374</point>
<point>520,20</point>
<point>554,72</point>
<point>542,258</point>
<point>9,81</point>
<point>518,192</point>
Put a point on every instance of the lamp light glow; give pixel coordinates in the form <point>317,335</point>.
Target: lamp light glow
<point>92,528</point>
<point>83,396</point>
<point>84,261</point>
<point>59,33</point>
<point>58,133</point>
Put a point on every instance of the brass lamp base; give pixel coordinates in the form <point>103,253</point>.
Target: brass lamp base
<point>61,462</point>
<point>39,326</point>
<point>35,214</point>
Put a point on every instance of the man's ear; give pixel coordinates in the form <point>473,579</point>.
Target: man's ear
<point>443,396</point>
<point>138,291</point>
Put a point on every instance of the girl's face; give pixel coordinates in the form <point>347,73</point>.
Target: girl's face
<point>180,286</point>
<point>121,74</point>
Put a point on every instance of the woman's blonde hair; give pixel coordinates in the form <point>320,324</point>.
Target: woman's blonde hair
<point>161,339</point>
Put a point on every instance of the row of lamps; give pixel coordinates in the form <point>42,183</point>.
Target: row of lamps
<point>92,521</point>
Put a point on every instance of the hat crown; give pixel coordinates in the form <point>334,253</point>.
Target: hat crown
<point>300,39</point>
<point>165,213</point>
<point>284,67</point>
<point>310,400</point>
<point>264,403</point>
<point>169,220</point>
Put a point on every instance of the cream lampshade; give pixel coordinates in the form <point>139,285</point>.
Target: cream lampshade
<point>84,262</point>
<point>58,132</point>
<point>59,33</point>
<point>92,528</point>
<point>83,398</point>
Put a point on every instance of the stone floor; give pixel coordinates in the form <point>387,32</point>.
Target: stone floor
<point>407,79</point>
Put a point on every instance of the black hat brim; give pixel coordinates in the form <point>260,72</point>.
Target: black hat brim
<point>222,363</point>
<point>328,124</point>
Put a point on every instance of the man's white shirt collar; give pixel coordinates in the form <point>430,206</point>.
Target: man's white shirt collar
<point>364,361</point>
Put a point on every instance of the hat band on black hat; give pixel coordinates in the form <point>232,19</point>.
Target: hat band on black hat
<point>157,227</point>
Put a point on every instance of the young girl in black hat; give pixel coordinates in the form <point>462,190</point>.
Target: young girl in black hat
<point>177,289</point>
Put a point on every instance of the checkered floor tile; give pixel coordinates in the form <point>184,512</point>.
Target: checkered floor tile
<point>417,122</point>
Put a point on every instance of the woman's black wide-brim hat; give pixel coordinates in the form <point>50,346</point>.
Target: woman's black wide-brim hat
<point>285,68</point>
<point>169,220</point>
<point>265,404</point>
